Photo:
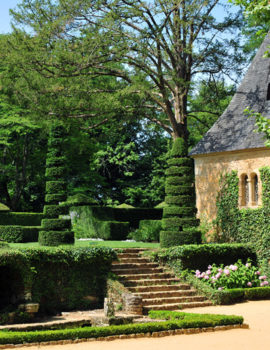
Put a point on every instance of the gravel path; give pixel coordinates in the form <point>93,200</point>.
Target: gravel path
<point>255,313</point>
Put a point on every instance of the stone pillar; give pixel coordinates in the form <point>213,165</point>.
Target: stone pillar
<point>133,304</point>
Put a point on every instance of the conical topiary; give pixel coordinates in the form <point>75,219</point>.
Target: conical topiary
<point>179,223</point>
<point>55,230</point>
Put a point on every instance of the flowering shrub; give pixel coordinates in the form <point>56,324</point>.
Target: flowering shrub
<point>238,275</point>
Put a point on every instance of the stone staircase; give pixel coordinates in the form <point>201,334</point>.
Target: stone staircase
<point>159,290</point>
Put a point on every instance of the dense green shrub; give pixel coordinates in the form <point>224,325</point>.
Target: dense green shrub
<point>148,231</point>
<point>62,279</point>
<point>55,237</point>
<point>244,225</point>
<point>189,321</point>
<point>112,230</point>
<point>53,225</point>
<point>180,213</point>
<point>21,219</point>
<point>89,221</point>
<point>195,257</point>
<point>19,234</point>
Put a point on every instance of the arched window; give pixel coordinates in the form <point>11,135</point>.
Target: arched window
<point>244,190</point>
<point>254,189</point>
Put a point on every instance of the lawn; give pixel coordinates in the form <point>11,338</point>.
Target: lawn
<point>78,243</point>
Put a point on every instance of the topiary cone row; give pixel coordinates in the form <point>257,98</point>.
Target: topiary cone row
<point>179,223</point>
<point>56,229</point>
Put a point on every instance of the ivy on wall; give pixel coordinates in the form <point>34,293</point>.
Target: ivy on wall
<point>244,225</point>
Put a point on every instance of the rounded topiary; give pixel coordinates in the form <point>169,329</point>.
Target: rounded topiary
<point>55,238</point>
<point>179,223</point>
<point>55,229</point>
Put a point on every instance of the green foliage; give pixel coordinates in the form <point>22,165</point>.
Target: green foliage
<point>19,234</point>
<point>22,219</point>
<point>195,257</point>
<point>148,231</point>
<point>55,224</point>
<point>188,321</point>
<point>55,229</point>
<point>55,237</point>
<point>227,207</point>
<point>90,221</point>
<point>187,236</point>
<point>180,213</point>
<point>236,275</point>
<point>53,211</point>
<point>62,279</point>
<point>244,225</point>
<point>3,207</point>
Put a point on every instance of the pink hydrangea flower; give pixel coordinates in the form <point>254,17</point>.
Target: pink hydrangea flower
<point>262,278</point>
<point>258,273</point>
<point>248,264</point>
<point>227,272</point>
<point>218,275</point>
<point>206,277</point>
<point>208,272</point>
<point>220,288</point>
<point>209,267</point>
<point>249,284</point>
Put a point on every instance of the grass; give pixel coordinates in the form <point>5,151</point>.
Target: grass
<point>111,244</point>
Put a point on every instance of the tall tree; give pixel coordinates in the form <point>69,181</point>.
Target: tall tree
<point>154,48</point>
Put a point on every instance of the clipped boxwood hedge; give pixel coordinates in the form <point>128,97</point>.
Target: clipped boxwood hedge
<point>55,224</point>
<point>56,161</point>
<point>194,257</point>
<point>62,278</point>
<point>176,238</point>
<point>55,187</point>
<point>187,321</point>
<point>55,238</point>
<point>55,172</point>
<point>19,234</point>
<point>55,198</point>
<point>53,211</point>
<point>22,219</point>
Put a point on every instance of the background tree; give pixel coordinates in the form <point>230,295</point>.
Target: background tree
<point>155,49</point>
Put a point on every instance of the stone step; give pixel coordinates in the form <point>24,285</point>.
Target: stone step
<point>166,294</point>
<point>130,250</point>
<point>150,282</point>
<point>176,306</point>
<point>121,265</point>
<point>133,260</point>
<point>172,300</point>
<point>159,288</point>
<point>140,276</point>
<point>138,271</point>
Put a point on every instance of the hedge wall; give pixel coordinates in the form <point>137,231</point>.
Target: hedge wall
<point>195,257</point>
<point>244,225</point>
<point>19,234</point>
<point>21,219</point>
<point>62,279</point>
<point>108,223</point>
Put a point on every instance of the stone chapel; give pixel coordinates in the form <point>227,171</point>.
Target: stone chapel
<point>233,144</point>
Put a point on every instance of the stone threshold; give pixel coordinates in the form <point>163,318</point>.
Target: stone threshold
<point>187,331</point>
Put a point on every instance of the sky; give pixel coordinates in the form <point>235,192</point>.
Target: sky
<point>5,5</point>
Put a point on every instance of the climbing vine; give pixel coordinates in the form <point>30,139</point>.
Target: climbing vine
<point>244,225</point>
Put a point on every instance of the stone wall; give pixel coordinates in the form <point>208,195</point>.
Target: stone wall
<point>209,167</point>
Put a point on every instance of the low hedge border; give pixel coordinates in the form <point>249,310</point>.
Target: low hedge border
<point>229,296</point>
<point>200,321</point>
<point>192,257</point>
<point>19,234</point>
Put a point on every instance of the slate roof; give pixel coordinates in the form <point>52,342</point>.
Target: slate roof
<point>233,130</point>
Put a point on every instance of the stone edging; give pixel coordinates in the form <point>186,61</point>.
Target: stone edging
<point>131,336</point>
